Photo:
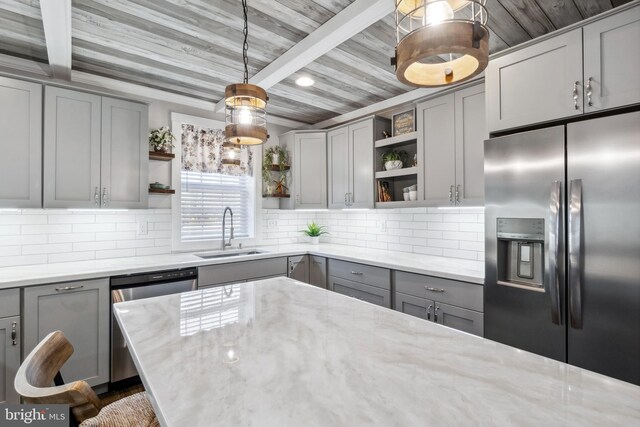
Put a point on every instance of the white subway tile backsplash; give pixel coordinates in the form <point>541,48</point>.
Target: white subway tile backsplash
<point>37,236</point>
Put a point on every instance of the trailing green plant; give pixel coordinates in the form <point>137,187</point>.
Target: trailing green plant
<point>393,155</point>
<point>315,230</point>
<point>267,162</point>
<point>161,138</point>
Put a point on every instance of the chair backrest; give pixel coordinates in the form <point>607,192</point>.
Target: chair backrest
<point>36,374</point>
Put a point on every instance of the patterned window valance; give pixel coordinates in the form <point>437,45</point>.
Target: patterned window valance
<point>202,152</point>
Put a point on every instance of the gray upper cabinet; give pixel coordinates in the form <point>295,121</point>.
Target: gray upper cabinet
<point>452,130</point>
<point>436,128</point>
<point>20,144</point>
<point>299,268</point>
<point>308,151</point>
<point>470,133</point>
<point>81,311</point>
<point>338,166</point>
<point>125,158</point>
<point>351,167</point>
<point>318,271</point>
<point>539,83</point>
<point>612,61</point>
<point>95,151</point>
<point>71,149</point>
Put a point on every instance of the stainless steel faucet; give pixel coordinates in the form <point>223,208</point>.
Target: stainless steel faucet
<point>224,223</point>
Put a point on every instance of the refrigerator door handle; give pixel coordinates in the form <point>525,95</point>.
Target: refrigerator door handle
<point>575,253</point>
<point>553,278</point>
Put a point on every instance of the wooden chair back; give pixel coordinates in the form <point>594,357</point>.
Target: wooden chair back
<point>35,377</point>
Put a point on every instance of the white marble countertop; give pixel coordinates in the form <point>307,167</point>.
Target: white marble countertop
<point>459,269</point>
<point>281,353</point>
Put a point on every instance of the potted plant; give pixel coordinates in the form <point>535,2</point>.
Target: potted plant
<point>314,231</point>
<point>394,159</point>
<point>161,139</point>
<point>275,156</point>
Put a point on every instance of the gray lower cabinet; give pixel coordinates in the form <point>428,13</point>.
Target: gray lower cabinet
<point>81,311</point>
<point>318,271</point>
<point>452,303</point>
<point>20,144</point>
<point>9,343</point>
<point>237,272</point>
<point>95,151</point>
<point>299,268</point>
<point>371,294</point>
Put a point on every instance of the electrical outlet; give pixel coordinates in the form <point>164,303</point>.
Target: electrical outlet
<point>272,224</point>
<point>143,228</point>
<point>382,226</point>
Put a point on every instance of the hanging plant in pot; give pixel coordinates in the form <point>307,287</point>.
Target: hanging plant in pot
<point>161,139</point>
<point>394,159</point>
<point>314,231</point>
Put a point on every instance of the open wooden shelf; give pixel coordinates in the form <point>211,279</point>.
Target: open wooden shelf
<point>278,196</point>
<point>397,172</point>
<point>163,157</point>
<point>161,191</point>
<point>398,204</point>
<point>400,139</point>
<point>276,168</point>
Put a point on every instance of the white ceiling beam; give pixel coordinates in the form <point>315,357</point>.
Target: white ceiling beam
<point>353,19</point>
<point>56,20</point>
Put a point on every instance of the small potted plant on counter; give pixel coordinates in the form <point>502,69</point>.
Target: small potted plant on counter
<point>314,231</point>
<point>161,139</point>
<point>394,159</point>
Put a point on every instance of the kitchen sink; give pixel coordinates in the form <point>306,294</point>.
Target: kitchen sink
<point>229,254</point>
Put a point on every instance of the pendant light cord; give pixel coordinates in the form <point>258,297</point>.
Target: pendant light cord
<point>245,46</point>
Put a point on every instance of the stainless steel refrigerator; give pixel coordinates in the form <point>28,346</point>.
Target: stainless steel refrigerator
<point>563,243</point>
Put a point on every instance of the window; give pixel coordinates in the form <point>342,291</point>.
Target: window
<point>205,186</point>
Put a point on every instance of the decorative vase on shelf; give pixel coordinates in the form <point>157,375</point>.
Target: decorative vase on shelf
<point>393,164</point>
<point>161,149</point>
<point>314,240</point>
<point>275,159</point>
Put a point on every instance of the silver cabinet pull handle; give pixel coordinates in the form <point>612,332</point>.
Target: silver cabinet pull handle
<point>575,253</point>
<point>589,92</point>
<point>70,288</point>
<point>105,197</point>
<point>96,197</point>
<point>430,289</point>
<point>553,241</point>
<point>357,273</point>
<point>451,194</point>
<point>575,95</point>
<point>350,199</point>
<point>346,203</point>
<point>435,314</point>
<point>429,311</point>
<point>14,333</point>
<point>458,194</point>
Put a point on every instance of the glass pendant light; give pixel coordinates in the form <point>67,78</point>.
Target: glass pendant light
<point>440,42</point>
<point>245,104</point>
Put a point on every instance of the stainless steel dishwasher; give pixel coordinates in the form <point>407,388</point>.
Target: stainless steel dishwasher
<point>140,286</point>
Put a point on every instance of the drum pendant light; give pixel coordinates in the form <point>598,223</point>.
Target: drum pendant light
<point>440,42</point>
<point>245,104</point>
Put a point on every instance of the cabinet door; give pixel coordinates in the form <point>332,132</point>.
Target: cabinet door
<point>125,154</point>
<point>361,165</point>
<point>414,306</point>
<point>20,144</point>
<point>612,61</point>
<point>471,131</point>
<point>338,167</point>
<point>360,291</point>
<point>535,84</point>
<point>460,318</point>
<point>318,271</point>
<point>71,149</point>
<point>436,127</point>
<point>310,171</point>
<point>299,268</point>
<point>81,311</point>
<point>9,358</point>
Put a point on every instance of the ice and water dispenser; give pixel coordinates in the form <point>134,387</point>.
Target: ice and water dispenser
<point>521,252</point>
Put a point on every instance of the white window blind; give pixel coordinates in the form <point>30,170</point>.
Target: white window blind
<point>203,200</point>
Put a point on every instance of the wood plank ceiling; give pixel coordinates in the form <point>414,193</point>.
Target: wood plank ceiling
<point>193,47</point>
